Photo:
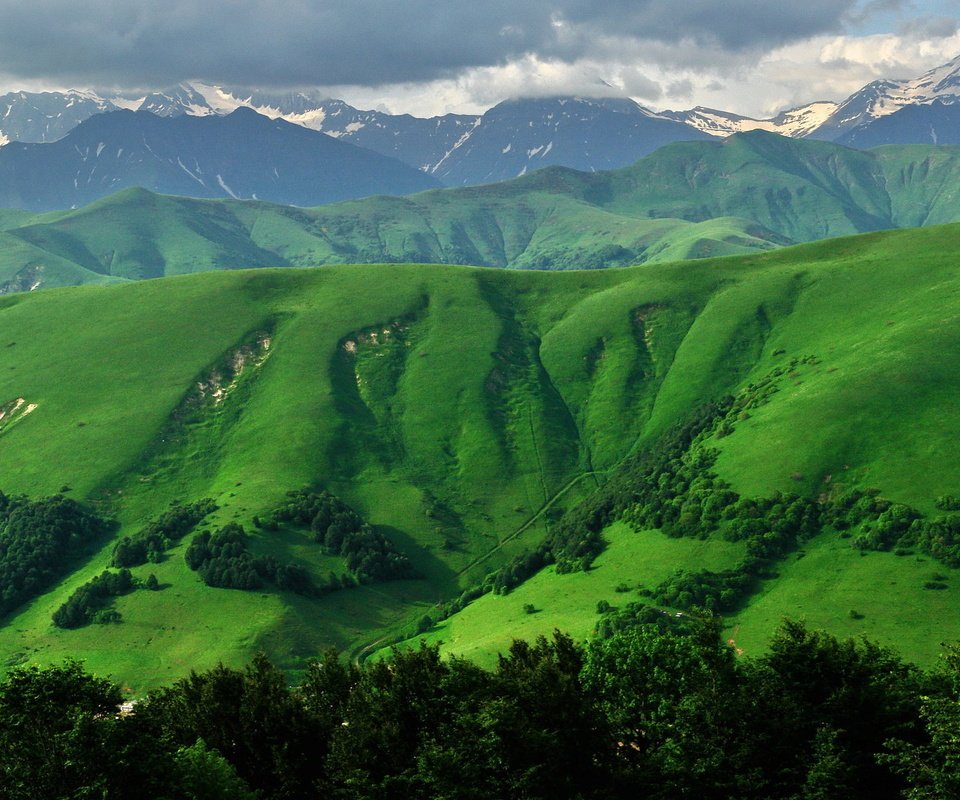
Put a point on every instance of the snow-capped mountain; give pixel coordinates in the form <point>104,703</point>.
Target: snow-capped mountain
<point>46,116</point>
<point>416,141</point>
<point>182,99</point>
<point>829,120</point>
<point>796,122</point>
<point>512,138</point>
<point>241,155</point>
<point>881,98</point>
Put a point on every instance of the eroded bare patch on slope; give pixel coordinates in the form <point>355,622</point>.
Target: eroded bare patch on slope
<point>13,411</point>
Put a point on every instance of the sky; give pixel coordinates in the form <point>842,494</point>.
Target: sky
<point>429,57</point>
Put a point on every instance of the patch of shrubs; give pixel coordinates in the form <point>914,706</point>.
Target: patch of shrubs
<point>38,540</point>
<point>714,591</point>
<point>370,556</point>
<point>641,615</point>
<point>89,603</point>
<point>158,536</point>
<point>947,502</point>
<point>222,559</point>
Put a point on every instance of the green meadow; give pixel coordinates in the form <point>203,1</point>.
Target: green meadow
<point>461,411</point>
<point>568,602</point>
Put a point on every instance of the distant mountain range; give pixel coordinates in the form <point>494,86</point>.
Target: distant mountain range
<point>510,139</point>
<point>748,193</point>
<point>242,155</point>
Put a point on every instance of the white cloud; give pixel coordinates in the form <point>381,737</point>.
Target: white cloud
<point>821,68</point>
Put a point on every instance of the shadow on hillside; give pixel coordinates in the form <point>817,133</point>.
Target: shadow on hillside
<point>428,566</point>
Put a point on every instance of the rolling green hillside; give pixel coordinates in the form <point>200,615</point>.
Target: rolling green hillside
<point>752,192</point>
<point>461,411</point>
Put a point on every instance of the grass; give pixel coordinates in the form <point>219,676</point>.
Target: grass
<point>496,392</point>
<point>877,595</point>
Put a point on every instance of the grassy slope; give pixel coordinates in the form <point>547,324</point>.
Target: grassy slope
<point>569,602</point>
<point>136,234</point>
<point>875,412</point>
<point>747,194</point>
<point>472,399</point>
<point>884,591</point>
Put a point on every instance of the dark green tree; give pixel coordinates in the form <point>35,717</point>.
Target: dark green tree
<point>57,730</point>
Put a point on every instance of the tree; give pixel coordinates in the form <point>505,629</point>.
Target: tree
<point>671,701</point>
<point>251,718</point>
<point>204,774</point>
<point>57,728</point>
<point>932,768</point>
<point>823,700</point>
<point>550,737</point>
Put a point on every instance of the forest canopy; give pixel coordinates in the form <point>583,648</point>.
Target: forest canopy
<point>653,710</point>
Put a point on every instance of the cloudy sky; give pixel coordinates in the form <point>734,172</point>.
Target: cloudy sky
<point>434,56</point>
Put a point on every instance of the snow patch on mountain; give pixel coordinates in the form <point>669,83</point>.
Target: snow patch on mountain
<point>225,188</point>
<point>795,122</point>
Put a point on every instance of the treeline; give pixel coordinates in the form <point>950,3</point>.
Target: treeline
<point>38,541</point>
<point>160,534</point>
<point>653,711</point>
<point>575,540</point>
<point>89,602</point>
<point>671,486</point>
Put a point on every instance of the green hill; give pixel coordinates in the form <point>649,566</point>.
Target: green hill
<point>750,193</point>
<point>460,412</point>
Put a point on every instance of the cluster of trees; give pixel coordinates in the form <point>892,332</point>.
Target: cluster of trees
<point>160,534</point>
<point>89,602</point>
<point>617,620</point>
<point>370,556</point>
<point>38,541</point>
<point>650,711</point>
<point>874,523</point>
<point>770,527</point>
<point>223,559</point>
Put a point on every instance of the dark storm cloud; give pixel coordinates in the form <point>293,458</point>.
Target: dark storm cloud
<point>300,42</point>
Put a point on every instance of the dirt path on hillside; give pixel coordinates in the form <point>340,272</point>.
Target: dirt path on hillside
<point>531,521</point>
